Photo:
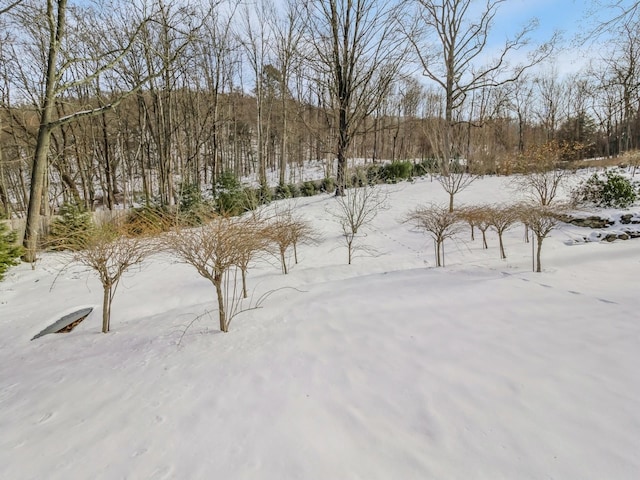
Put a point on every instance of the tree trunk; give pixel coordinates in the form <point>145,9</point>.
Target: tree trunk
<point>343,144</point>
<point>38,173</point>
<point>502,254</point>
<point>106,308</point>
<point>244,282</point>
<point>283,259</point>
<point>30,240</point>
<point>4,197</point>
<point>539,249</point>
<point>222,316</point>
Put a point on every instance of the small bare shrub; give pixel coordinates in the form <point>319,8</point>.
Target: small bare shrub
<point>542,178</point>
<point>476,217</point>
<point>284,230</point>
<point>355,211</point>
<point>501,219</point>
<point>212,249</point>
<point>250,241</point>
<point>439,222</point>
<point>541,220</point>
<point>110,252</point>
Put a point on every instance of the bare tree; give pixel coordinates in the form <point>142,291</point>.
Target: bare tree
<point>250,241</point>
<point>212,249</point>
<point>287,33</point>
<point>476,217</point>
<point>7,6</point>
<point>110,253</point>
<point>520,95</point>
<point>501,218</point>
<point>450,60</point>
<point>357,53</point>
<point>542,179</point>
<point>439,222</point>
<point>355,212</point>
<point>541,220</point>
<point>285,230</point>
<point>255,38</point>
<point>60,77</point>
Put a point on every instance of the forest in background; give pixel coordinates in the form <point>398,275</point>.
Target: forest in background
<point>123,103</point>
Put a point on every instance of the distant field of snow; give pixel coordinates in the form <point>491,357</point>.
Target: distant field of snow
<point>385,369</point>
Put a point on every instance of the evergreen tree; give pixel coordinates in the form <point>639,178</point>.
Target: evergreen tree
<point>9,251</point>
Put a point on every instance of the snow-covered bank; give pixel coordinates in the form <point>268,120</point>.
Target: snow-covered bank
<point>387,368</point>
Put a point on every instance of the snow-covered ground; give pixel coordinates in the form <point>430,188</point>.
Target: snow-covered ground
<point>384,369</point>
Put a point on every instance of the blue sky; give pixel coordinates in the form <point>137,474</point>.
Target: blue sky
<point>571,17</point>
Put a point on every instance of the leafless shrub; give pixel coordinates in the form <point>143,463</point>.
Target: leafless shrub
<point>250,241</point>
<point>454,180</point>
<point>541,187</point>
<point>501,218</point>
<point>540,220</point>
<point>110,252</point>
<point>631,158</point>
<point>212,249</point>
<point>439,222</point>
<point>542,180</point>
<point>285,230</point>
<point>476,217</point>
<point>355,211</point>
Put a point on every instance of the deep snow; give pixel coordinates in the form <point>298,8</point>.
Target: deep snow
<point>385,369</point>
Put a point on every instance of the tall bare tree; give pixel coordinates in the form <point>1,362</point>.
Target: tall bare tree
<point>451,39</point>
<point>60,76</point>
<point>287,33</point>
<point>357,51</point>
<point>255,38</point>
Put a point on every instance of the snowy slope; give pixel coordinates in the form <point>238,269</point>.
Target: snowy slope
<point>385,369</point>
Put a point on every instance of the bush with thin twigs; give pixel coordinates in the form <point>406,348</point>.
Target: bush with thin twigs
<point>542,178</point>
<point>149,220</point>
<point>540,220</point>
<point>541,186</point>
<point>110,252</point>
<point>476,217</point>
<point>439,222</point>
<point>212,249</point>
<point>355,211</point>
<point>632,158</point>
<point>284,230</point>
<point>250,242</point>
<point>501,218</point>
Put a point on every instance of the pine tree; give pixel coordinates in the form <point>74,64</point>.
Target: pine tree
<point>9,251</point>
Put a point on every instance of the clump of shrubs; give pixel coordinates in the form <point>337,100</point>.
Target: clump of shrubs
<point>150,219</point>
<point>229,195</point>
<point>290,190</point>
<point>67,231</point>
<point>308,189</point>
<point>327,185</point>
<point>194,209</point>
<point>610,190</point>
<point>395,172</point>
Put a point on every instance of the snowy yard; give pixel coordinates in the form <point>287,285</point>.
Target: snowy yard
<point>385,369</point>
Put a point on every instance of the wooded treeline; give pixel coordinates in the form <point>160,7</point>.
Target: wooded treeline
<point>144,99</point>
